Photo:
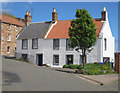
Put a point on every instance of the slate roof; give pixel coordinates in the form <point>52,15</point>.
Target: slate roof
<point>11,20</point>
<point>34,30</point>
<point>60,30</point>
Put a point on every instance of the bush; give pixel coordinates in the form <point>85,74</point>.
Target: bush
<point>66,66</point>
<point>73,66</point>
<point>80,66</point>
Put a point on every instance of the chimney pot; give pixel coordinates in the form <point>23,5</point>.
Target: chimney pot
<point>27,13</point>
<point>54,10</point>
<point>104,9</point>
<point>104,14</point>
<point>54,15</point>
<point>28,18</point>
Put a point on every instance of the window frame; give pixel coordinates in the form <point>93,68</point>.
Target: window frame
<point>8,47</point>
<point>26,45</point>
<point>55,46</point>
<point>54,63</point>
<point>105,44</point>
<point>23,57</point>
<point>9,37</point>
<point>33,42</point>
<point>68,48</point>
<point>9,27</point>
<point>16,28</point>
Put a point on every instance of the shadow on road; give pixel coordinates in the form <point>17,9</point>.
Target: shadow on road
<point>9,78</point>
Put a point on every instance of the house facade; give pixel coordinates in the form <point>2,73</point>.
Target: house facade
<point>10,27</point>
<point>48,43</point>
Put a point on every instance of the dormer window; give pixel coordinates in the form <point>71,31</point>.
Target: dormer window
<point>9,27</point>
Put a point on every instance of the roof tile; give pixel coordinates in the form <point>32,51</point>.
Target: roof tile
<point>61,29</point>
<point>11,20</point>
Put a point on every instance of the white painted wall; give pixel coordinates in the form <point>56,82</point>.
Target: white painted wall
<point>45,47</point>
<point>106,33</point>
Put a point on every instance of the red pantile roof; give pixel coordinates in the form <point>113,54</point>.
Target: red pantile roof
<point>11,20</point>
<point>60,30</point>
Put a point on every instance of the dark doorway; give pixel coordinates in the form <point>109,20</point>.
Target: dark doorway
<point>40,59</point>
<point>106,59</point>
<point>69,59</point>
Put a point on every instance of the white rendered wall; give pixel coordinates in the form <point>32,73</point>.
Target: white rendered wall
<point>106,33</point>
<point>45,47</point>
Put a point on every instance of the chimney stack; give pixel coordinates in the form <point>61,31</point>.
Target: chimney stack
<point>28,18</point>
<point>54,15</point>
<point>104,14</point>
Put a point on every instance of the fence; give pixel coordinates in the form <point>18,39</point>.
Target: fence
<point>117,62</point>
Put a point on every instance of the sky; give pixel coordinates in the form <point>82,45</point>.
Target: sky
<point>42,11</point>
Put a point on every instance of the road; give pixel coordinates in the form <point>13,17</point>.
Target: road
<point>22,76</point>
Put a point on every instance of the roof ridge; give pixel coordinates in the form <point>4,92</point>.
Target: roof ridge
<point>40,22</point>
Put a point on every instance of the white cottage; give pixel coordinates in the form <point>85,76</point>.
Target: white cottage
<point>47,43</point>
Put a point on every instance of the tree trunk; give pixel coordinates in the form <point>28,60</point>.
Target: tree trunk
<point>84,58</point>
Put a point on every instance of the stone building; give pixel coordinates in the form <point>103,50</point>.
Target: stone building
<point>10,27</point>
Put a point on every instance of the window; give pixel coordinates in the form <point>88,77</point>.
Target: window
<point>68,45</point>
<point>24,44</point>
<point>24,56</point>
<point>8,49</point>
<point>35,43</point>
<point>9,27</point>
<point>105,44</point>
<point>55,59</point>
<point>56,44</point>
<point>16,28</point>
<point>9,37</point>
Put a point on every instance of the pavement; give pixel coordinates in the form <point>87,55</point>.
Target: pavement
<point>96,79</point>
<point>22,76</point>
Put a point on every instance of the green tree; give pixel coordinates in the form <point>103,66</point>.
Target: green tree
<point>7,14</point>
<point>82,33</point>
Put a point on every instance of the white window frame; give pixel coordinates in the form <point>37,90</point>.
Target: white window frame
<point>23,46</point>
<point>33,43</point>
<point>16,28</point>
<point>68,48</point>
<point>9,37</point>
<point>56,43</point>
<point>9,27</point>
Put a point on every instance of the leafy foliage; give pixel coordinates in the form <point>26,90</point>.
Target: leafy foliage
<point>98,69</point>
<point>71,66</point>
<point>8,14</point>
<point>82,31</point>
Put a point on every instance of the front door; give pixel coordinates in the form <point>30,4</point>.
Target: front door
<point>69,59</point>
<point>40,60</point>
